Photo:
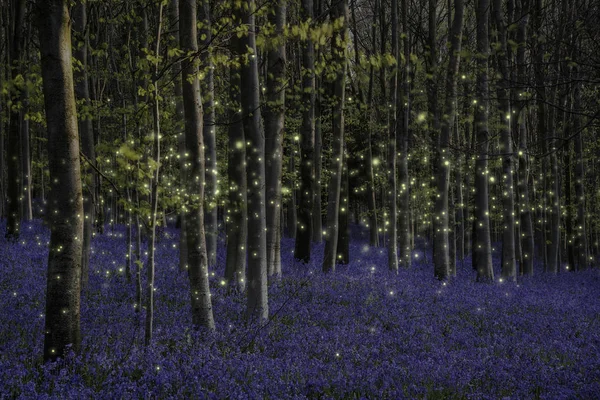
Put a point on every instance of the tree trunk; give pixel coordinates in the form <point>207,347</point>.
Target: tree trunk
<point>209,133</point>
<point>343,247</point>
<point>482,249</point>
<point>307,145</point>
<point>274,129</point>
<point>338,49</point>
<point>441,253</point>
<point>26,208</point>
<point>392,220</point>
<point>62,327</point>
<point>86,134</point>
<point>404,105</point>
<point>292,221</point>
<point>581,242</point>
<point>509,259</point>
<point>257,300</point>
<point>154,191</point>
<point>236,227</point>
<point>202,315</point>
<point>183,253</point>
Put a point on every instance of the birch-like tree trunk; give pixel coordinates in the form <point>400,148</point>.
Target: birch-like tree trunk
<point>404,243</point>
<point>274,129</point>
<point>202,315</point>
<point>307,144</point>
<point>527,234</point>
<point>209,133</point>
<point>174,12</point>
<point>482,249</point>
<point>62,327</point>
<point>154,188</point>
<point>441,253</point>
<point>391,223</point>
<point>509,259</point>
<point>339,12</point>
<point>86,133</point>
<point>257,307</point>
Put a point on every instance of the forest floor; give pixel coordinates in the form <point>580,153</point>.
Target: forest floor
<point>361,332</point>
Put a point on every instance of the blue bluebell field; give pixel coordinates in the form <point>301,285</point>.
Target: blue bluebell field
<point>359,333</point>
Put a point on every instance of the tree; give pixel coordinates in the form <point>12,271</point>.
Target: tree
<point>257,305</point>
<point>482,249</point>
<point>156,136</point>
<point>527,237</point>
<point>62,326</point>
<point>392,221</point>
<point>307,144</point>
<point>441,253</point>
<point>209,132</point>
<point>339,14</point>
<point>174,11</point>
<point>404,242</point>
<point>86,134</point>
<point>509,259</point>
<point>236,227</point>
<point>202,315</point>
<point>274,129</point>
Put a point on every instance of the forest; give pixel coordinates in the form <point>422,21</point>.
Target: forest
<point>304,199</point>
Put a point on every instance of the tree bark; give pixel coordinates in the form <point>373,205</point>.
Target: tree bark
<point>154,191</point>
<point>581,242</point>
<point>339,59</point>
<point>236,227</point>
<point>274,129</point>
<point>202,315</point>
<point>509,259</point>
<point>86,134</point>
<point>441,253</point>
<point>174,11</point>
<point>257,307</point>
<point>482,249</point>
<point>392,220</point>
<point>209,133</point>
<point>307,144</point>
<point>62,327</point>
<point>404,100</point>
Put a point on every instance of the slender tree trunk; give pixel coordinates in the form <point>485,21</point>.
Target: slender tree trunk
<point>509,259</point>
<point>236,227</point>
<point>343,247</point>
<point>26,208</point>
<point>339,10</point>
<point>257,300</point>
<point>209,133</point>
<point>404,106</point>
<point>154,191</point>
<point>292,221</point>
<point>307,145</point>
<point>62,327</point>
<point>202,315</point>
<point>86,133</point>
<point>183,253</point>
<point>392,221</point>
<point>366,110</point>
<point>317,228</point>
<point>13,223</point>
<point>441,253</point>
<point>482,250</point>
<point>274,129</point>
<point>581,241</point>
